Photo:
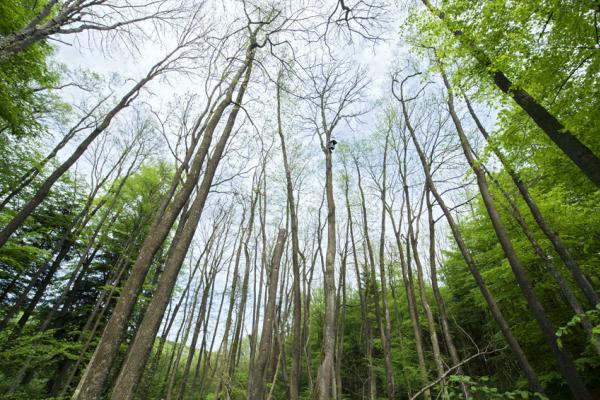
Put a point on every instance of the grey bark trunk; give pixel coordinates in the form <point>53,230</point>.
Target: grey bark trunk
<point>562,356</point>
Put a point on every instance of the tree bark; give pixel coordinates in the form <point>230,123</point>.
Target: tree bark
<point>562,356</point>
<point>582,282</point>
<point>257,382</point>
<point>365,323</point>
<point>326,368</point>
<point>297,299</point>
<point>387,351</point>
<point>514,345</point>
<point>92,383</point>
<point>140,348</point>
<point>405,264</point>
<point>549,263</point>
<point>381,317</point>
<point>441,305</point>
<point>571,146</point>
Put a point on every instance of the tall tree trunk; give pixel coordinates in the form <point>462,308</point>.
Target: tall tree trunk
<point>365,324</point>
<point>405,264</point>
<point>439,300</point>
<point>92,382</point>
<point>571,146</point>
<point>162,339</point>
<point>257,299</point>
<point>382,320</point>
<point>46,186</point>
<point>171,366</point>
<point>549,263</point>
<point>172,375</point>
<point>514,345</point>
<point>135,362</point>
<point>437,357</point>
<point>207,356</point>
<point>326,369</point>
<point>341,318</point>
<point>582,282</point>
<point>257,382</point>
<point>562,356</point>
<point>209,282</point>
<point>387,351</point>
<point>297,299</point>
<point>232,294</point>
<point>241,312</point>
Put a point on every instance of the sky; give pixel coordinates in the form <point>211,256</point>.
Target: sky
<point>378,59</point>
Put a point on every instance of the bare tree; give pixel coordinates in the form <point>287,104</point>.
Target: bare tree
<point>257,378</point>
<point>333,100</point>
<point>382,316</point>
<point>297,296</point>
<point>114,18</point>
<point>132,369</point>
<point>92,383</point>
<point>493,306</point>
<point>169,63</point>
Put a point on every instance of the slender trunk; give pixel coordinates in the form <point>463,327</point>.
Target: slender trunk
<point>186,334</point>
<point>171,366</point>
<point>92,383</point>
<point>487,295</point>
<point>209,283</point>
<point>166,330</point>
<point>140,348</point>
<point>382,321</point>
<point>393,289</point>
<point>241,312</point>
<point>307,283</point>
<point>365,325</point>
<point>554,238</point>
<point>562,356</point>
<point>297,299</point>
<point>425,304</point>
<point>40,289</point>
<point>342,316</point>
<point>441,305</point>
<point>387,351</point>
<point>549,263</point>
<point>96,316</point>
<point>73,231</point>
<point>232,295</point>
<point>207,356</point>
<point>257,382</point>
<point>406,266</point>
<point>578,153</point>
<point>257,305</point>
<point>326,369</point>
<point>46,186</point>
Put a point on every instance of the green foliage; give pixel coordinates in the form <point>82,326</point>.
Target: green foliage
<point>23,76</point>
<point>573,324</point>
<point>34,351</point>
<point>480,389</point>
